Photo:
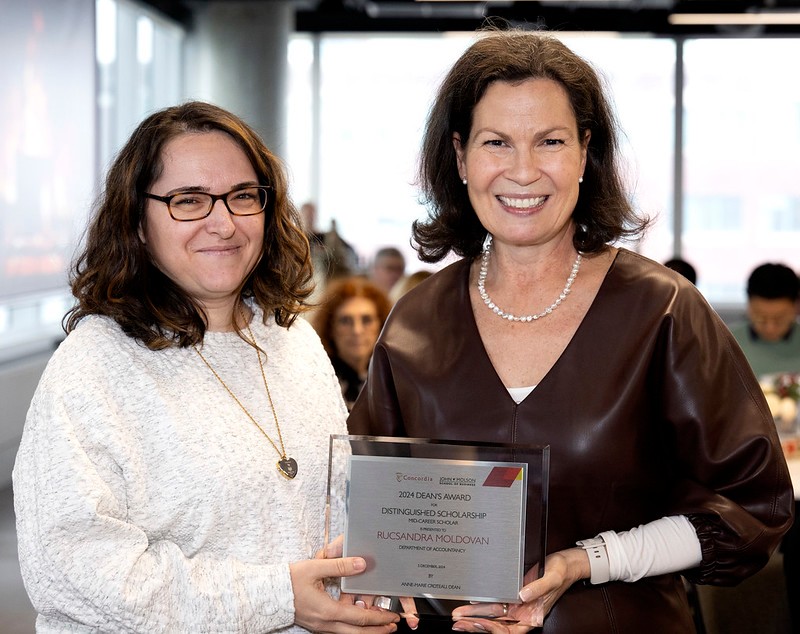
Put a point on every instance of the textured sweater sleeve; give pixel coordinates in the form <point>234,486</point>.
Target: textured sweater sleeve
<point>82,558</point>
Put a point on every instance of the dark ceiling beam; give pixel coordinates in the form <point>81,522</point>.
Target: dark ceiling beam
<point>175,9</point>
<point>637,16</point>
<point>539,16</point>
<point>531,16</point>
<point>534,15</point>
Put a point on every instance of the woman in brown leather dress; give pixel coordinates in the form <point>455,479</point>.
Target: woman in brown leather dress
<point>663,452</point>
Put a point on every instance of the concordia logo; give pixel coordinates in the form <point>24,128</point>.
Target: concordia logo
<point>503,476</point>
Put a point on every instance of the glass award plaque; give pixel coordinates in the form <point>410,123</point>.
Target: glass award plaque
<point>439,520</point>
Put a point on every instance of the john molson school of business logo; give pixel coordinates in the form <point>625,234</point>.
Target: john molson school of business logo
<point>498,477</point>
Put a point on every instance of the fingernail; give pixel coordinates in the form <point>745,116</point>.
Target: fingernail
<point>525,594</point>
<point>361,604</point>
<point>359,564</point>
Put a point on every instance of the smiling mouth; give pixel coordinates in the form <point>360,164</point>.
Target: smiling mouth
<point>522,203</point>
<point>223,250</point>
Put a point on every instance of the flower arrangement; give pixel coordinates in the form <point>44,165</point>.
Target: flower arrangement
<point>782,392</point>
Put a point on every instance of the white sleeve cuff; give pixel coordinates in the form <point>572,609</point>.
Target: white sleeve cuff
<point>662,546</point>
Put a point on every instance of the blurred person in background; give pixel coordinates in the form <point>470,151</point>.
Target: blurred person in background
<point>770,338</point>
<point>387,268</point>
<point>349,318</point>
<point>331,255</point>
<point>683,267</point>
<point>406,283</point>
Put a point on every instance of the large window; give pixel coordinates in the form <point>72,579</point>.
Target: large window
<point>357,105</point>
<point>354,150</point>
<point>741,148</point>
<point>640,74</point>
<point>47,157</point>
<point>373,97</point>
<point>139,67</point>
<point>374,94</point>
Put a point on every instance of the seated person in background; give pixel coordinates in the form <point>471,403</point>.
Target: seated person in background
<point>681,266</point>
<point>350,317</point>
<point>387,268</point>
<point>770,339</point>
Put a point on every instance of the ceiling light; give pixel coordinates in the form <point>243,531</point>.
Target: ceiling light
<point>744,19</point>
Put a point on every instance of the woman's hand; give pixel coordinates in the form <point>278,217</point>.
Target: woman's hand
<point>562,569</point>
<point>316,611</point>
<point>333,550</point>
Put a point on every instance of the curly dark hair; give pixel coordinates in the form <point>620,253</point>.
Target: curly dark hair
<point>115,276</point>
<point>603,212</point>
<point>337,292</point>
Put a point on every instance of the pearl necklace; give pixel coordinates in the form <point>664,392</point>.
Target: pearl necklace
<point>487,247</point>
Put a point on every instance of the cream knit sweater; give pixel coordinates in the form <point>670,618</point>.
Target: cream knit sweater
<point>147,501</point>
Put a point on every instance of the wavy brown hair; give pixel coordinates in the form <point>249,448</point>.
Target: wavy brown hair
<point>115,276</point>
<point>603,212</point>
<point>337,292</point>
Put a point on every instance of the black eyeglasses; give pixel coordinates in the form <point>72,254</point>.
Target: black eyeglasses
<point>188,206</point>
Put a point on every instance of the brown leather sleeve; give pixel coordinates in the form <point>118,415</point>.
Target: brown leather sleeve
<point>732,480</point>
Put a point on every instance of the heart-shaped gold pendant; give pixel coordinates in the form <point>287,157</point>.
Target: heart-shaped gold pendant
<point>287,467</point>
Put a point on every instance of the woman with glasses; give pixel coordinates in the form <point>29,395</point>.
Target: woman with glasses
<point>348,321</point>
<point>172,474</point>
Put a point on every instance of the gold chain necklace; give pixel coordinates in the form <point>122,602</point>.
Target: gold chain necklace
<point>287,467</point>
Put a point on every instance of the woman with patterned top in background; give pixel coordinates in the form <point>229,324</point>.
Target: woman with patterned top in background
<point>349,319</point>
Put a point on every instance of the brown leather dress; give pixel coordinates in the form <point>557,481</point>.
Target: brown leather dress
<point>651,410</point>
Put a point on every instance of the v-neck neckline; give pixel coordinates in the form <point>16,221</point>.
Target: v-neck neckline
<point>472,331</point>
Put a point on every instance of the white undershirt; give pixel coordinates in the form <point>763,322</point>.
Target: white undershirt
<point>520,393</point>
<point>669,544</point>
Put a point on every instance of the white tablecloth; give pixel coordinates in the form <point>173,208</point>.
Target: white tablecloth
<point>794,470</point>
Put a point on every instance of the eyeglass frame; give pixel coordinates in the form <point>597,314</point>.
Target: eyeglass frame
<point>214,198</point>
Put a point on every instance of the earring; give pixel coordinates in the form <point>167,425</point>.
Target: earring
<point>580,180</point>
<point>464,180</point>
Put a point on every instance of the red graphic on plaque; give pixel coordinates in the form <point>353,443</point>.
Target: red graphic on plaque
<point>503,476</point>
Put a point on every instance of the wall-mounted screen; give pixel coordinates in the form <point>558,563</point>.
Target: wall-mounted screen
<point>47,139</point>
